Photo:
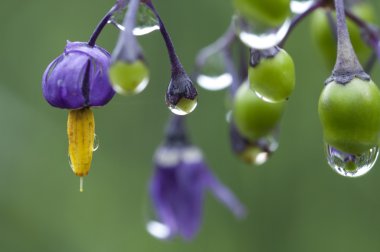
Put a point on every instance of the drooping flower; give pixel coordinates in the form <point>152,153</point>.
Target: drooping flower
<point>78,77</point>
<point>177,188</point>
<point>78,80</point>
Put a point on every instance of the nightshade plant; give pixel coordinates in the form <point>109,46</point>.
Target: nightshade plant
<point>260,81</point>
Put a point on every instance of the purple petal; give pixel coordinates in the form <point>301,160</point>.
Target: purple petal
<point>224,195</point>
<point>177,195</point>
<point>64,84</point>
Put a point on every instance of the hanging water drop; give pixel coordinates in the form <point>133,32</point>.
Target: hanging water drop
<point>146,21</point>
<point>351,165</point>
<point>154,227</point>
<point>258,153</point>
<point>96,143</point>
<point>300,6</point>
<point>212,73</point>
<point>258,35</point>
<point>183,107</point>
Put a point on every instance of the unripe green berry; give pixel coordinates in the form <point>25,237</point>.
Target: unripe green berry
<point>273,77</point>
<point>255,118</point>
<point>129,78</point>
<point>350,115</point>
<point>270,12</point>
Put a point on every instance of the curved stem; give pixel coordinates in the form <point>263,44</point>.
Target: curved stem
<point>174,60</point>
<point>297,19</point>
<point>347,61</point>
<point>370,31</point>
<point>130,17</point>
<point>101,25</point>
<point>219,45</point>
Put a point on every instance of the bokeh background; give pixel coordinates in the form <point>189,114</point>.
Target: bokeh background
<point>295,201</point>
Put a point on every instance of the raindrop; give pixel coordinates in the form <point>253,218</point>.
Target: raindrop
<point>184,106</point>
<point>258,35</point>
<point>300,6</point>
<point>229,116</point>
<point>258,153</point>
<point>212,73</point>
<point>154,227</point>
<point>96,143</point>
<point>146,21</point>
<point>351,165</point>
<point>158,230</point>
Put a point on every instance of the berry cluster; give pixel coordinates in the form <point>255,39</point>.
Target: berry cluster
<point>349,106</point>
<point>260,81</point>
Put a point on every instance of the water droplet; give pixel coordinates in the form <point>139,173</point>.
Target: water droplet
<point>184,106</point>
<point>96,143</point>
<point>257,153</point>
<point>300,6</point>
<point>212,72</point>
<point>129,78</point>
<point>155,228</point>
<point>258,35</point>
<point>158,230</point>
<point>350,165</point>
<point>229,116</point>
<point>146,21</point>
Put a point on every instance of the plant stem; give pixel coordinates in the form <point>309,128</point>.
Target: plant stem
<point>297,19</point>
<point>127,47</point>
<point>347,63</point>
<point>176,133</point>
<point>176,65</point>
<point>101,25</point>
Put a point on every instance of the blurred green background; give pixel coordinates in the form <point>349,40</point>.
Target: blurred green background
<point>295,201</point>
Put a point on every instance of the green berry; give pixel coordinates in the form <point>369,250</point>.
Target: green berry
<point>270,12</point>
<point>255,118</point>
<point>350,115</point>
<point>273,77</point>
<point>325,39</point>
<point>129,78</point>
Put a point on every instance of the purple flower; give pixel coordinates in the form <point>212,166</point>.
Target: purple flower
<point>78,78</point>
<point>177,191</point>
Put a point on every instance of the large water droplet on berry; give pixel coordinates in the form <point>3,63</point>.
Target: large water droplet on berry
<point>258,35</point>
<point>212,73</point>
<point>146,21</point>
<point>300,6</point>
<point>259,152</point>
<point>350,165</point>
<point>184,106</point>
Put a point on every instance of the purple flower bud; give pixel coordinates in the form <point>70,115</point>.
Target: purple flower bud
<point>78,78</point>
<point>177,190</point>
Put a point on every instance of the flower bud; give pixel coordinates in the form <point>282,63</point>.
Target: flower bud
<point>78,78</point>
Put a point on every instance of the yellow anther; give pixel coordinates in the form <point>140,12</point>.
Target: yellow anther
<point>81,133</point>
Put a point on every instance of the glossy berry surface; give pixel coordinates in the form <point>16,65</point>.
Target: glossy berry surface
<point>273,78</point>
<point>350,115</point>
<point>255,118</point>
<point>270,12</point>
<point>129,78</point>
